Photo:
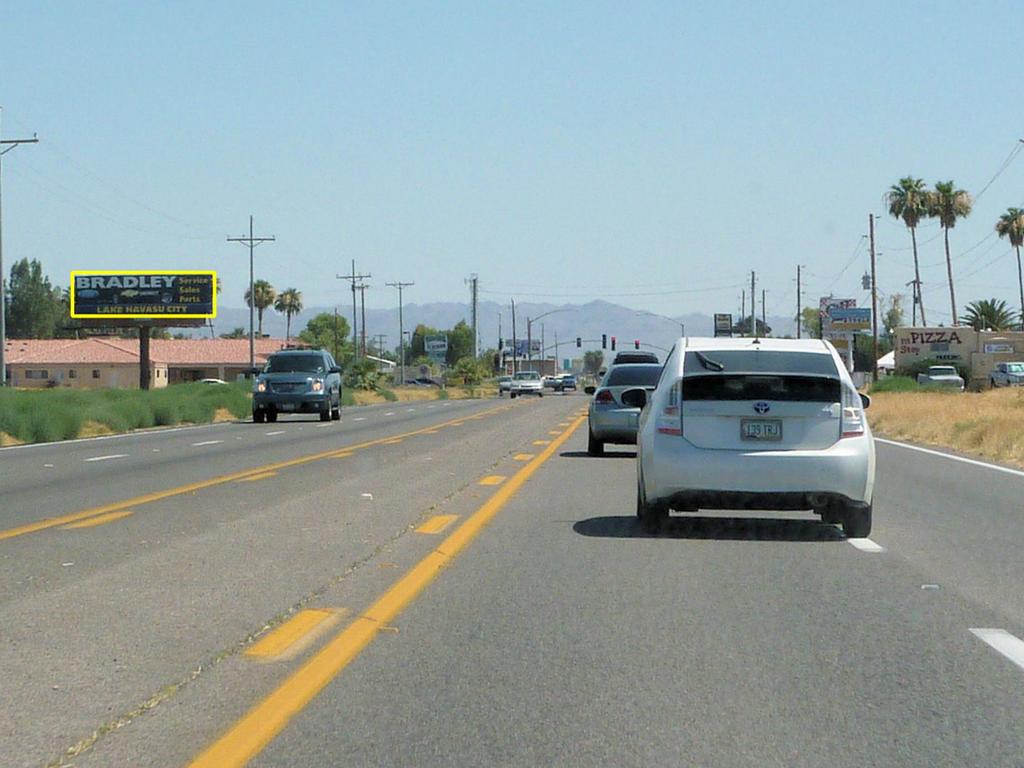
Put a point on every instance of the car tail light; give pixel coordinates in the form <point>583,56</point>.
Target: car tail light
<point>852,421</point>
<point>669,421</point>
<point>604,396</point>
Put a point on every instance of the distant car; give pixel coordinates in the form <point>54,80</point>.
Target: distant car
<point>564,382</point>
<point>941,376</point>
<point>1007,375</point>
<point>613,414</point>
<point>635,357</point>
<point>504,384</point>
<point>756,424</point>
<point>526,383</point>
<point>298,381</point>
<point>549,381</point>
<point>212,381</point>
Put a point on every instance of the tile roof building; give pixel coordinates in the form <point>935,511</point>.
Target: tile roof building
<point>114,362</point>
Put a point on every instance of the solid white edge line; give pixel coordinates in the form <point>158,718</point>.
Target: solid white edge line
<point>866,545</point>
<point>135,433</point>
<point>999,639</point>
<point>963,459</point>
<point>104,458</point>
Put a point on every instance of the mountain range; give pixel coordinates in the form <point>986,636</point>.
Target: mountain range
<point>566,321</point>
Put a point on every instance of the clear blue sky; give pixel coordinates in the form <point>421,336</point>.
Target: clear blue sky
<point>585,150</point>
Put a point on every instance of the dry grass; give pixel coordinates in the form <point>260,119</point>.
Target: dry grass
<point>988,424</point>
<point>94,429</point>
<point>6,440</point>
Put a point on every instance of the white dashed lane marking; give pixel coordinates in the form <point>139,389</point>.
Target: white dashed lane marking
<point>359,418</point>
<point>279,432</point>
<point>105,458</point>
<point>1011,647</point>
<point>207,442</point>
<point>866,545</point>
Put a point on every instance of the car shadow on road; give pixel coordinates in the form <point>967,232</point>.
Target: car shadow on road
<point>605,455</point>
<point>721,528</point>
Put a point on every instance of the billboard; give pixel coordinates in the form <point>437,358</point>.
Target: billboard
<point>849,319</point>
<point>436,347</point>
<point>521,347</point>
<point>144,294</point>
<point>723,324</point>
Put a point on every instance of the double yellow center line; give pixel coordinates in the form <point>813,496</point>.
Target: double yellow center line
<point>246,474</point>
<point>247,738</point>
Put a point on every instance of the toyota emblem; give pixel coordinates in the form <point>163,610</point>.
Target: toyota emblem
<point>762,407</point>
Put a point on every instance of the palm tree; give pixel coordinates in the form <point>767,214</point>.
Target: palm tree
<point>289,302</point>
<point>1011,225</point>
<point>988,314</point>
<point>908,200</point>
<point>947,204</point>
<point>265,295</point>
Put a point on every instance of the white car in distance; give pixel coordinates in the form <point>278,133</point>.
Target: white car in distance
<point>526,383</point>
<point>756,424</point>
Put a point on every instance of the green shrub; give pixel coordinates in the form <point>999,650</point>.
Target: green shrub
<point>442,394</point>
<point>388,395</point>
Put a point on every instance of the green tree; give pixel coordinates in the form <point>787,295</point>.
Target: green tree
<point>593,359</point>
<point>288,303</point>
<point>328,331</point>
<point>468,370</point>
<point>989,314</point>
<point>265,295</point>
<point>34,306</point>
<point>947,204</point>
<point>744,328</point>
<point>460,343</point>
<point>908,200</point>
<point>893,314</point>
<point>416,348</point>
<point>1011,226</point>
<point>236,333</point>
<point>810,321</point>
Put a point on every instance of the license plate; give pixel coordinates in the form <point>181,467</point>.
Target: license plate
<point>287,406</point>
<point>761,429</point>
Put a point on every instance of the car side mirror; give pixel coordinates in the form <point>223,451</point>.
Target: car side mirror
<point>589,389</point>
<point>634,398</point>
<point>255,371</point>
<point>865,401</point>
<point>335,369</point>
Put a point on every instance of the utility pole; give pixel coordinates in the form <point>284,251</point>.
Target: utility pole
<point>354,279</point>
<point>514,366</point>
<point>362,317</point>
<point>799,308</point>
<point>474,287</point>
<point>874,300</point>
<point>335,350</point>
<point>252,242</point>
<point>6,145</point>
<point>380,337</point>
<point>753,303</point>
<point>913,310</point>
<point>543,347</point>
<point>401,322</point>
<point>764,312</point>
<point>743,306</point>
<point>529,342</point>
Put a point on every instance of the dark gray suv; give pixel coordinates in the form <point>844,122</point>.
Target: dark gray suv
<point>298,381</point>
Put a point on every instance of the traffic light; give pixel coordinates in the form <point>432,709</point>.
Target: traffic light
<point>613,343</point>
<point>579,342</point>
<point>604,341</point>
<point>636,343</point>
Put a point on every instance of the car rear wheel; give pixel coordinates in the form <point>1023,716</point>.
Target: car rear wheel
<point>650,516</point>
<point>258,416</point>
<point>336,411</point>
<point>594,446</point>
<point>325,414</point>
<point>857,521</point>
<point>271,415</point>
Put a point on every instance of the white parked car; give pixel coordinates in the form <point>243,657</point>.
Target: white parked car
<point>1007,375</point>
<point>756,424</point>
<point>526,383</point>
<point>941,376</point>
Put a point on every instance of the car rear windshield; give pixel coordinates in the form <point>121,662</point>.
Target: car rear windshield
<point>942,370</point>
<point>295,364</point>
<point>640,375</point>
<point>730,386</point>
<point>756,361</point>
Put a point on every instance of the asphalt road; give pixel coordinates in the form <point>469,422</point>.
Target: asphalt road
<point>278,605</point>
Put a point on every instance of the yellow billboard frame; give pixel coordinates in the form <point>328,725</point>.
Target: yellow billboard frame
<point>134,316</point>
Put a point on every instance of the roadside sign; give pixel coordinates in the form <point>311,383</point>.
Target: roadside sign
<point>849,319</point>
<point>144,294</point>
<point>436,347</point>
<point>723,324</point>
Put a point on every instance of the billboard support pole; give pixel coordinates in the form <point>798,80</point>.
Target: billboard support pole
<point>144,373</point>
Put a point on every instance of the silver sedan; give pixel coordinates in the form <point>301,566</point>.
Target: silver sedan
<point>613,412</point>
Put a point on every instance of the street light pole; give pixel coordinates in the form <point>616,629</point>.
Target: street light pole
<point>6,145</point>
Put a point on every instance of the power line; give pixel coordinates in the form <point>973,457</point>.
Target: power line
<point>732,286</point>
